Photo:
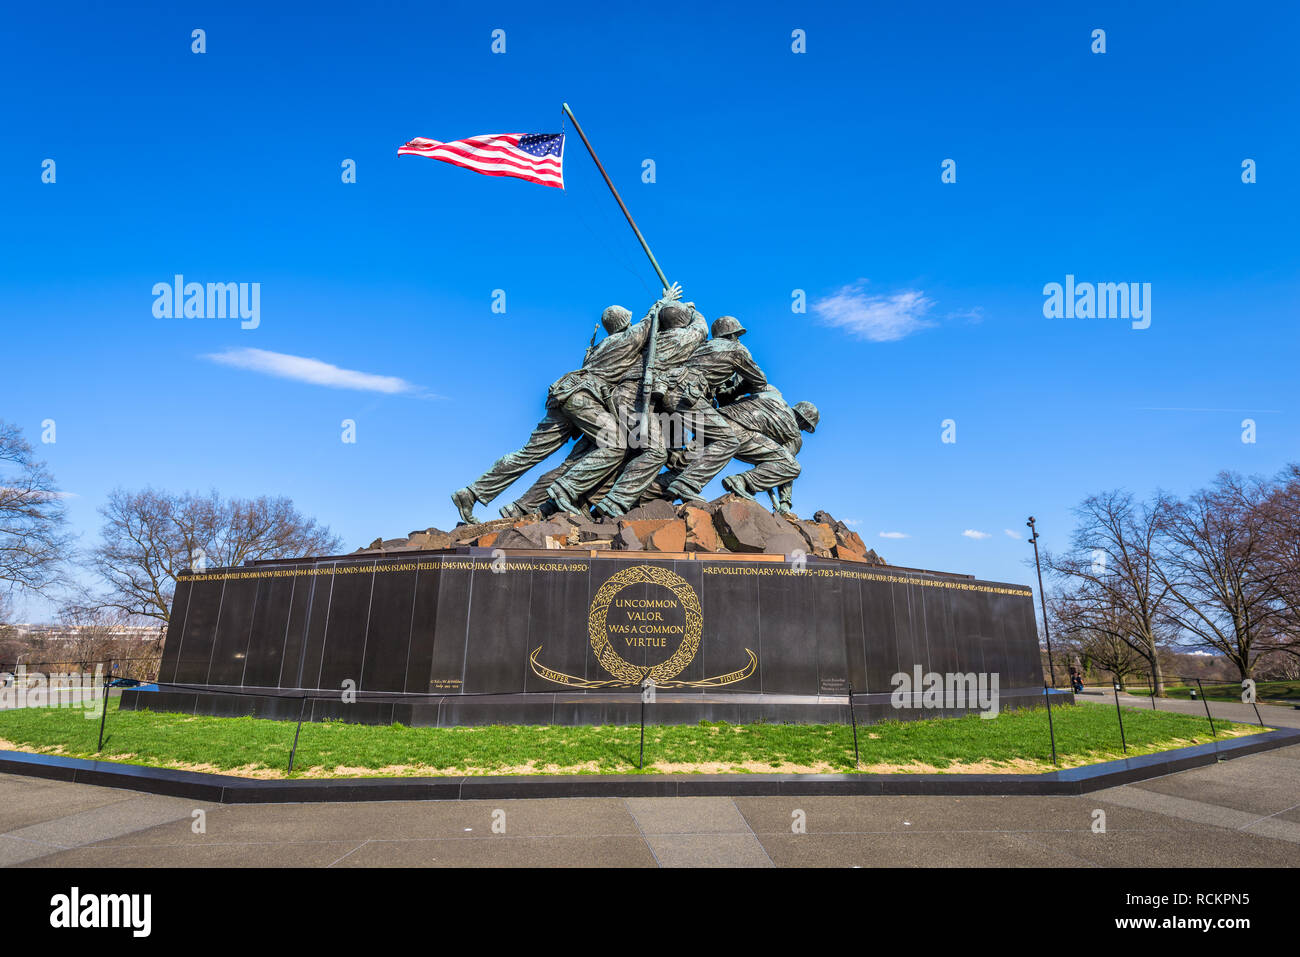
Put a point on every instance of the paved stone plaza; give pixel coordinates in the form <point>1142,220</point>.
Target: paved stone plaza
<point>1241,813</point>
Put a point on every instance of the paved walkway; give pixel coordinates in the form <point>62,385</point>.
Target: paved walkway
<point>1239,813</point>
<point>1275,716</point>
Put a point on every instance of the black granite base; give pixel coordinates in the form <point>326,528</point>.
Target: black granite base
<point>474,637</point>
<point>619,708</point>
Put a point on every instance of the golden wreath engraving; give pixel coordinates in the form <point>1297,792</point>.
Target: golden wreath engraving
<point>625,673</point>
<point>610,659</point>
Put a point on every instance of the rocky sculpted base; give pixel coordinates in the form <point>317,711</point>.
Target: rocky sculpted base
<point>727,525</point>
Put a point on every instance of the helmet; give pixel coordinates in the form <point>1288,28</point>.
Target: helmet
<point>727,326</point>
<point>674,317</point>
<point>808,416</point>
<point>615,319</point>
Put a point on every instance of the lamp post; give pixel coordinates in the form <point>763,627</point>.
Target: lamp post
<point>1033,540</point>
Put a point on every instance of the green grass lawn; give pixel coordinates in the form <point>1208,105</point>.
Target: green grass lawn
<point>1015,741</point>
<point>1265,691</point>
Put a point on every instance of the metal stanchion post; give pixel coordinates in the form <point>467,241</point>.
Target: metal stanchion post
<point>1214,733</point>
<point>1042,597</point>
<point>103,705</point>
<point>302,708</point>
<point>1120,715</point>
<point>1050,729</point>
<point>854,718</point>
<point>640,761</point>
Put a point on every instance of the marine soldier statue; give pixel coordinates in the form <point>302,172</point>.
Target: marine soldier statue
<point>768,433</point>
<point>681,330</point>
<point>577,404</point>
<point>769,440</point>
<point>689,391</point>
<point>711,389</point>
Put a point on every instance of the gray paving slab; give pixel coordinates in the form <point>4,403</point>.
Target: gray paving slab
<point>1278,829</point>
<point>608,850</point>
<point>112,820</point>
<point>14,850</point>
<point>25,801</point>
<point>777,815</point>
<point>923,849</point>
<point>697,832</point>
<point>909,815</point>
<point>692,815</point>
<point>708,850</point>
<point>1287,754</point>
<point>1229,814</point>
<point>1276,826</point>
<point>1292,815</point>
<point>1202,847</point>
<point>1175,807</point>
<point>269,854</point>
<point>396,821</point>
<point>1258,783</point>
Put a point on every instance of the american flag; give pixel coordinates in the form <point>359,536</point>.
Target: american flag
<point>536,157</point>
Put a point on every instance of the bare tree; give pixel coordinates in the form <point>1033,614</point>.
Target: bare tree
<point>11,646</point>
<point>88,635</point>
<point>33,538</point>
<point>150,537</point>
<point>1281,545</point>
<point>1099,636</point>
<point>1278,666</point>
<point>1215,562</point>
<point>1111,585</point>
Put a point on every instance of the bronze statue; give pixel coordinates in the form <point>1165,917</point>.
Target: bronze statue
<point>769,431</point>
<point>632,389</point>
<point>681,330</point>
<point>576,404</point>
<point>689,390</point>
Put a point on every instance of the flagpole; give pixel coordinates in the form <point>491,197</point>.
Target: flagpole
<point>617,198</point>
<point>647,379</point>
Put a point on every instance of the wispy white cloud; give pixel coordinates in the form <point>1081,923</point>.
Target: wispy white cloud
<point>853,521</point>
<point>1012,533</point>
<point>34,495</point>
<point>894,535</point>
<point>875,318</point>
<point>972,533</point>
<point>1157,408</point>
<point>969,315</point>
<point>313,371</point>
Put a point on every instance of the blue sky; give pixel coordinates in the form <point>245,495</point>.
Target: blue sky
<point>775,171</point>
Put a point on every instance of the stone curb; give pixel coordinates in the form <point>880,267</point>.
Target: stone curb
<point>225,789</point>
